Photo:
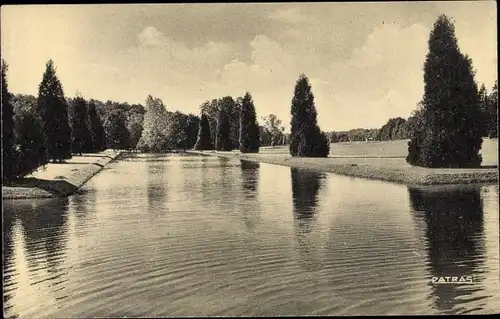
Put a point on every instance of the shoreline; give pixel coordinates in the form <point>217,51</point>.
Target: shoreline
<point>376,168</point>
<point>59,179</point>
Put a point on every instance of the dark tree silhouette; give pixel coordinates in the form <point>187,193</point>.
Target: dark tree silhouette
<point>96,128</point>
<point>81,138</point>
<point>306,138</point>
<point>249,128</point>
<point>204,140</point>
<point>32,152</point>
<point>118,137</point>
<point>450,135</point>
<point>54,112</point>
<point>222,140</point>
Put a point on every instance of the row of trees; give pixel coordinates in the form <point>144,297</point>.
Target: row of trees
<point>227,124</point>
<point>445,131</point>
<point>50,127</point>
<point>40,129</point>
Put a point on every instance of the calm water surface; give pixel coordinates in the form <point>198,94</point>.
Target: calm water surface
<point>183,235</point>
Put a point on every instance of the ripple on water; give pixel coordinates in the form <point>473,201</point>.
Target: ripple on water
<point>159,235</point>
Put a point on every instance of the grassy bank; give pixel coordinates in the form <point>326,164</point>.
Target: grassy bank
<point>59,179</point>
<point>386,169</point>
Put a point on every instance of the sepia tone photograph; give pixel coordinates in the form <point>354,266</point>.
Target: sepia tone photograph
<point>250,159</point>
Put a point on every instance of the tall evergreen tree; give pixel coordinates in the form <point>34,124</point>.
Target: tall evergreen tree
<point>306,138</point>
<point>54,112</point>
<point>223,137</point>
<point>450,135</point>
<point>211,110</point>
<point>118,137</point>
<point>204,139</point>
<point>191,128</point>
<point>233,111</point>
<point>96,129</point>
<point>81,138</point>
<point>8,133</point>
<point>249,128</point>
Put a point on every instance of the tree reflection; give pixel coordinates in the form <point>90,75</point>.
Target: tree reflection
<point>305,188</point>
<point>80,204</point>
<point>250,178</point>
<point>250,184</point>
<point>8,223</point>
<point>44,224</point>
<point>156,185</point>
<point>455,238</point>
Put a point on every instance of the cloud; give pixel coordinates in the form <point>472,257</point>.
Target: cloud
<point>364,61</point>
<point>381,79</point>
<point>150,36</point>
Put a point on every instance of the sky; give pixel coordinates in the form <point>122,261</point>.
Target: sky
<point>364,60</point>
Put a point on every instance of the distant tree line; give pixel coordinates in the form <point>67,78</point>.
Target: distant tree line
<point>228,124</point>
<point>401,129</point>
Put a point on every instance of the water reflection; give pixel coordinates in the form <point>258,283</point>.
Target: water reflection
<point>455,239</point>
<point>250,183</point>
<point>80,204</point>
<point>156,185</point>
<point>305,188</point>
<point>44,224</point>
<point>9,221</point>
<point>250,178</point>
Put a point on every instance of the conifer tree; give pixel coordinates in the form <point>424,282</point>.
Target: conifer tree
<point>223,137</point>
<point>306,138</point>
<point>204,139</point>
<point>96,129</point>
<point>249,128</point>
<point>451,132</point>
<point>54,113</point>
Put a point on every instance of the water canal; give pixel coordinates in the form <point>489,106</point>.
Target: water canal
<point>170,235</point>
